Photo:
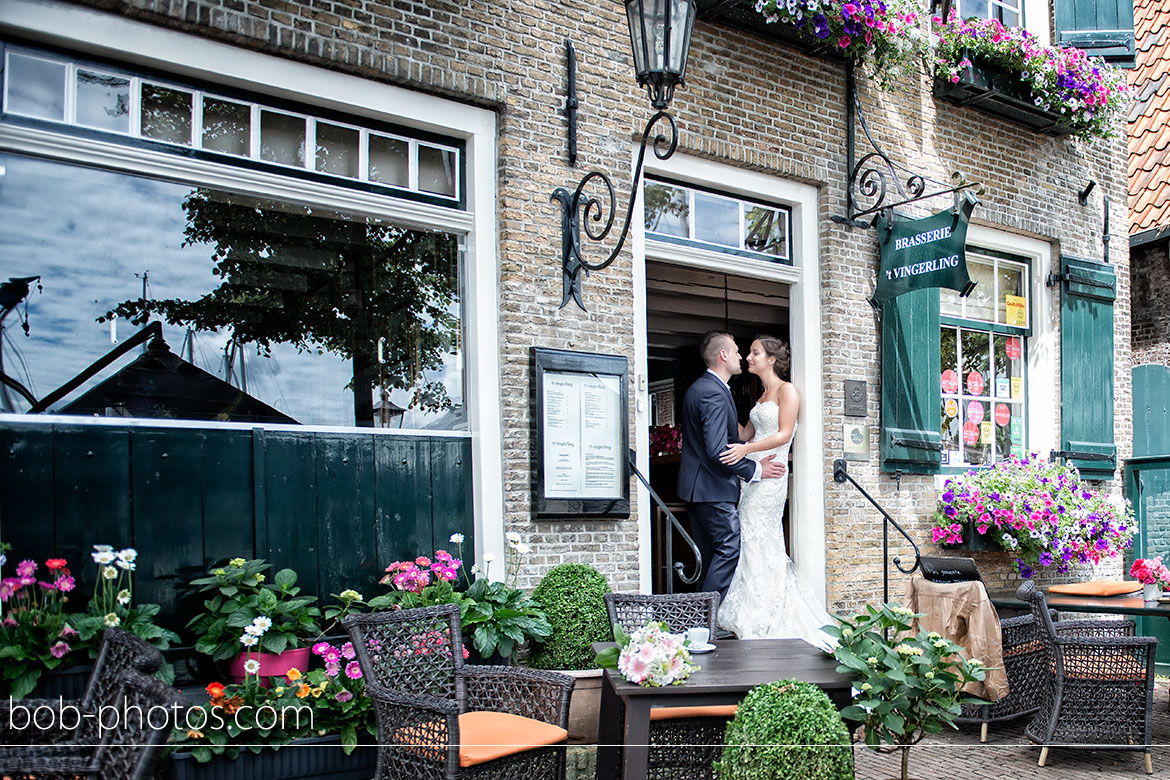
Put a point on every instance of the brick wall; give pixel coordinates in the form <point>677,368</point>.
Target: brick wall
<point>750,102</point>
<point>1150,277</point>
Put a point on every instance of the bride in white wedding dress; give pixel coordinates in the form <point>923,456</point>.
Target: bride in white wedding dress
<point>768,598</point>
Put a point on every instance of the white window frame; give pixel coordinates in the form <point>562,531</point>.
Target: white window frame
<point>95,33</point>
<point>1035,18</point>
<point>743,205</point>
<point>1043,369</point>
<point>807,492</point>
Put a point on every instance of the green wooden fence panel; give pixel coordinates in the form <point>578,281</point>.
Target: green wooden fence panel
<point>336,507</point>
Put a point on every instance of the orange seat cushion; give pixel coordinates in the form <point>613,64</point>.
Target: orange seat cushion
<point>1096,588</point>
<point>483,736</point>
<point>709,711</point>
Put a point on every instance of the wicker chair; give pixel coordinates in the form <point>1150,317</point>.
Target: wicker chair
<point>120,651</point>
<point>132,738</point>
<point>1025,661</point>
<point>1100,690</point>
<point>441,719</point>
<point>680,748</point>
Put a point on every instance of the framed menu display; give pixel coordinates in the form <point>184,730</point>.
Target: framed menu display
<point>582,434</point>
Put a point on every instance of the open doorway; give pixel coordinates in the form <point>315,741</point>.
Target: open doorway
<point>682,304</point>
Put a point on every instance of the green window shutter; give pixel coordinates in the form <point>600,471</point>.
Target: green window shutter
<point>1088,289</point>
<point>1103,28</point>
<point>911,393</point>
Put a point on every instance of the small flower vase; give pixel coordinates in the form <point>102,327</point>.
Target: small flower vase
<point>1151,592</point>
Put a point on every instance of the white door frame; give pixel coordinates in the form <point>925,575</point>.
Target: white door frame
<point>807,492</point>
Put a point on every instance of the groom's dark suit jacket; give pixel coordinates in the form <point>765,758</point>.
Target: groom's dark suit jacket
<point>708,426</point>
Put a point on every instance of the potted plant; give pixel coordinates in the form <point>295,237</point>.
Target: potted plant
<point>35,634</point>
<point>1054,89</point>
<point>908,685</point>
<point>113,605</point>
<point>324,708</point>
<point>573,597</point>
<point>496,617</point>
<point>1043,513</point>
<point>883,36</point>
<point>247,617</point>
<point>786,730</point>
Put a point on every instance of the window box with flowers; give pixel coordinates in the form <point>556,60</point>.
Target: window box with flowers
<point>881,35</point>
<point>1042,513</point>
<point>1007,72</point>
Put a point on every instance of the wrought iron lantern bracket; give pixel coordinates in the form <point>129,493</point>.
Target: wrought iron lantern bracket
<point>875,181</point>
<point>583,211</point>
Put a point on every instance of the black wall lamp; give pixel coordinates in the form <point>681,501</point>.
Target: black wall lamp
<point>660,37</point>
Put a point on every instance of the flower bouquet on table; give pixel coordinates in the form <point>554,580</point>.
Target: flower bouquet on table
<point>665,440</point>
<point>1041,512</point>
<point>1087,94</point>
<point>112,606</point>
<point>650,656</point>
<point>1152,574</point>
<point>36,634</point>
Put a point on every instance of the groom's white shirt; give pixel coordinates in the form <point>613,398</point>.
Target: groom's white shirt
<point>759,467</point>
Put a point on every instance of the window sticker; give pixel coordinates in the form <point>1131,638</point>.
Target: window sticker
<point>1017,387</point>
<point>950,381</point>
<point>970,433</point>
<point>1003,414</point>
<point>1015,311</point>
<point>952,407</point>
<point>1013,345</point>
<point>975,412</point>
<point>987,432</point>
<point>975,383</point>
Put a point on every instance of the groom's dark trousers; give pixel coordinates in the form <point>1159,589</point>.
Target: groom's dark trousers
<point>709,488</point>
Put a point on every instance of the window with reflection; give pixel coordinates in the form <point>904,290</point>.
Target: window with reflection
<point>983,359</point>
<point>270,312</point>
<point>1007,11</point>
<point>717,221</point>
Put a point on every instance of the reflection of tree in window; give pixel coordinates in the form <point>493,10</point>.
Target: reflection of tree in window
<point>326,284</point>
<point>667,210</point>
<point>765,231</point>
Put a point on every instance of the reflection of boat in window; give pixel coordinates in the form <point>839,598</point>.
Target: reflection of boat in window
<point>159,383</point>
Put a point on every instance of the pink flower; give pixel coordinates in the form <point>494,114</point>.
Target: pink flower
<point>25,569</point>
<point>353,670</point>
<point>59,650</point>
<point>332,669</point>
<point>332,655</point>
<point>347,651</point>
<point>343,696</point>
<point>65,584</point>
<point>844,42</point>
<point>321,648</point>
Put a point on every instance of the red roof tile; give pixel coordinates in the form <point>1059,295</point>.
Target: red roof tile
<point>1149,119</point>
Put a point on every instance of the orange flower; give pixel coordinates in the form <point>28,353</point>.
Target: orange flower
<point>194,734</point>
<point>214,689</point>
<point>303,691</point>
<point>233,704</point>
<point>293,674</point>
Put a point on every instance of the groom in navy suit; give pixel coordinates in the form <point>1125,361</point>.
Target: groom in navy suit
<point>709,488</point>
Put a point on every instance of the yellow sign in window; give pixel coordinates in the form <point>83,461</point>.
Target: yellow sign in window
<point>1016,314</point>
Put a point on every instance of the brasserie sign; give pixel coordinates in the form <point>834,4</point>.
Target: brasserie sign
<point>921,253</point>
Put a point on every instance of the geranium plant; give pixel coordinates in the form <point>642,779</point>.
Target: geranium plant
<point>35,634</point>
<point>650,656</point>
<point>240,595</point>
<point>1042,512</point>
<point>884,36</point>
<point>908,686</point>
<point>1086,94</point>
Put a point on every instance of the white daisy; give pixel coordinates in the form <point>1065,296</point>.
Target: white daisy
<point>251,666</point>
<point>247,640</point>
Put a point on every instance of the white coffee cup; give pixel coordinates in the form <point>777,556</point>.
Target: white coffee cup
<point>698,636</point>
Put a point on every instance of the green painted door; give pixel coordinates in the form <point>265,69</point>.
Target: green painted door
<point>1148,481</point>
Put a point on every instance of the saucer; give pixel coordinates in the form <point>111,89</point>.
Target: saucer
<point>700,649</point>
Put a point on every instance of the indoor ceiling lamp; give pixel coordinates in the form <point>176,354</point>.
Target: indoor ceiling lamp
<point>660,37</point>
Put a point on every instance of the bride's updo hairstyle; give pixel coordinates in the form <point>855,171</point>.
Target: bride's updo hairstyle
<point>774,347</point>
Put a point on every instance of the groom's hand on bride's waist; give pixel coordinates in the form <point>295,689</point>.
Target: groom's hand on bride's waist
<point>770,469</point>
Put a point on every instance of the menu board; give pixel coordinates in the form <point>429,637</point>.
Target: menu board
<point>582,436</point>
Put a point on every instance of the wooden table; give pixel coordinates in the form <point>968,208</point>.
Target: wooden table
<point>727,674</point>
<point>1110,605</point>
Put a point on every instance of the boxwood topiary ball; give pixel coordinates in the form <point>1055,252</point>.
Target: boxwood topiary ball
<point>786,730</point>
<point>572,595</point>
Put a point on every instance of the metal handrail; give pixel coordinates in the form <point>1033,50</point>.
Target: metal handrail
<point>840,475</point>
<point>674,525</point>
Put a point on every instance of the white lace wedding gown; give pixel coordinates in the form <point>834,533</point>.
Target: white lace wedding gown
<point>768,599</point>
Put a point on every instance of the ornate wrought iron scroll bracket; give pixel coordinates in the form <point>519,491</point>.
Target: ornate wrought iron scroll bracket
<point>875,182</point>
<point>584,212</point>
